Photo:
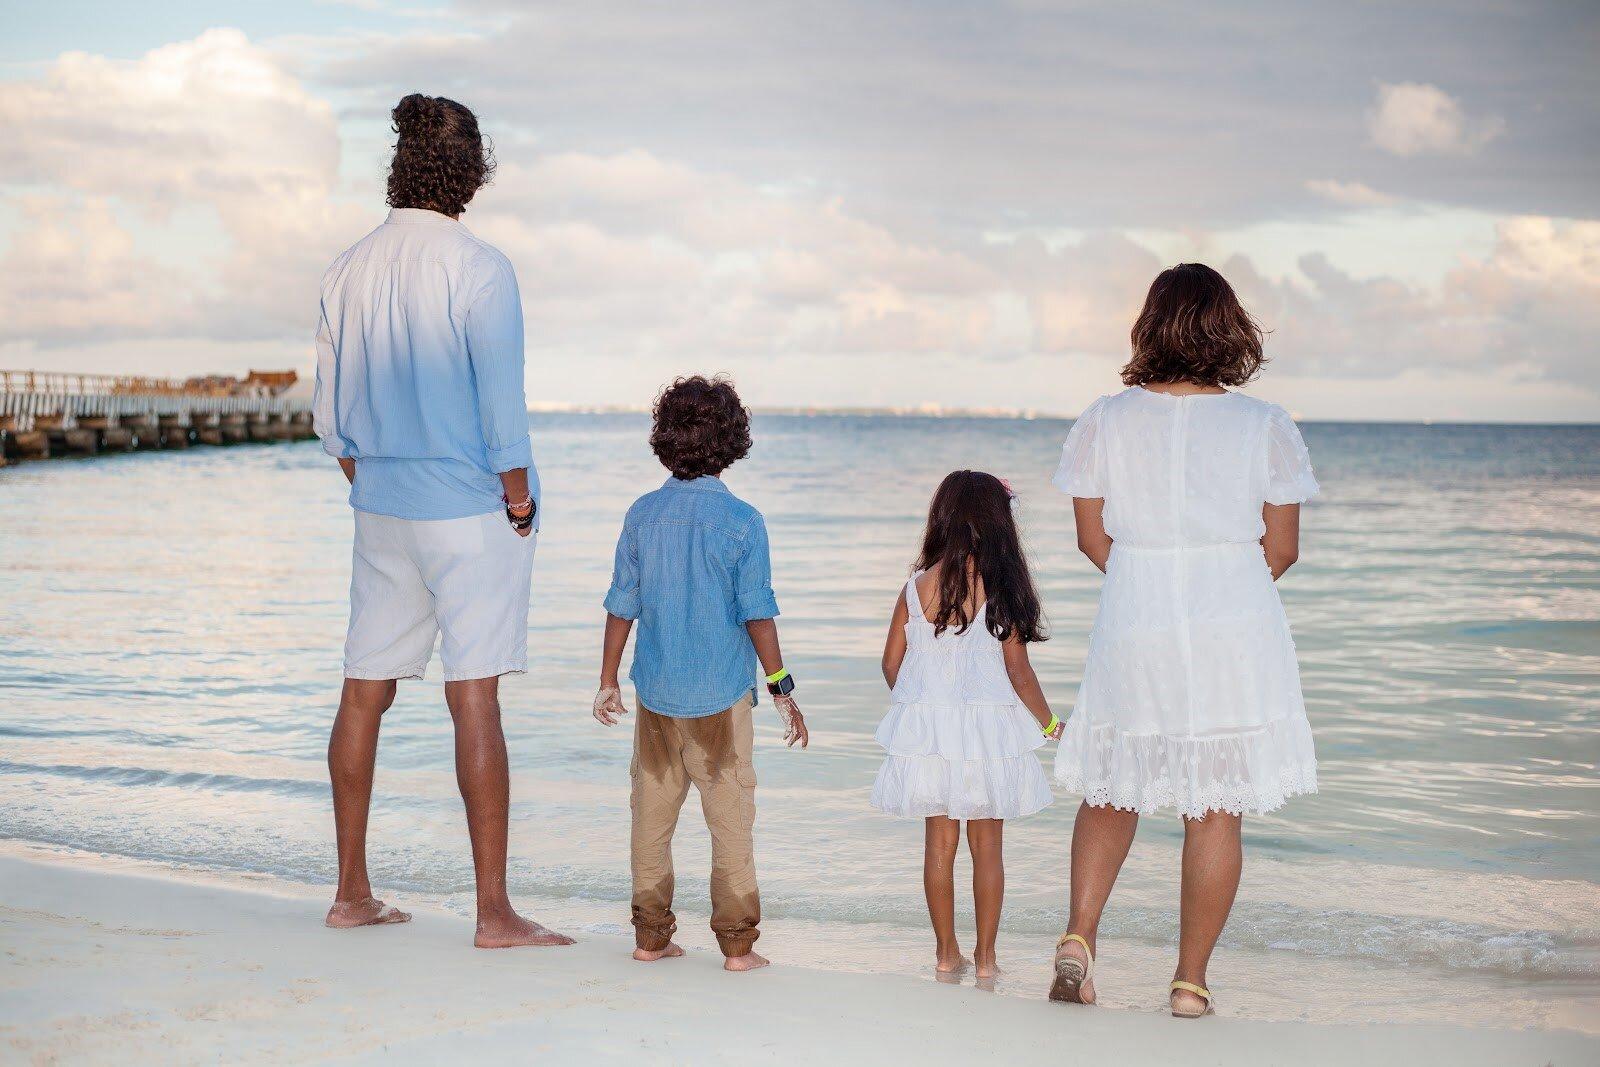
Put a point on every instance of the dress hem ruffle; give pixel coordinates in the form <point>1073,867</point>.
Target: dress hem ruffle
<point>959,733</point>
<point>922,786</point>
<point>1251,771</point>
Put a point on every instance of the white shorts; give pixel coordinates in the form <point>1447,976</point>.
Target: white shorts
<point>412,581</point>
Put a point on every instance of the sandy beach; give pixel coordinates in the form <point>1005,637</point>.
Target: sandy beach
<point>111,960</point>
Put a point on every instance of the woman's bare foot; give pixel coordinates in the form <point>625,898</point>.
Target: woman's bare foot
<point>645,955</point>
<point>370,911</point>
<point>1072,984</point>
<point>955,963</point>
<point>511,930</point>
<point>748,962</point>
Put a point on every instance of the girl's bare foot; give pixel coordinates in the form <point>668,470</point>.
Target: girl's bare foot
<point>748,962</point>
<point>645,955</point>
<point>511,930</point>
<point>954,963</point>
<point>987,967</point>
<point>370,911</point>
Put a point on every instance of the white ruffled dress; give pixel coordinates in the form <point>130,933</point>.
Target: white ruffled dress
<point>1191,694</point>
<point>960,743</point>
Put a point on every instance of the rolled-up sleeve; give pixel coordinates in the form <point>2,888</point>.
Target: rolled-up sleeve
<point>622,599</point>
<point>494,346</point>
<point>753,584</point>
<point>324,412</point>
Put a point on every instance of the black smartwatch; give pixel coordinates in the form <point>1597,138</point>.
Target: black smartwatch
<point>780,684</point>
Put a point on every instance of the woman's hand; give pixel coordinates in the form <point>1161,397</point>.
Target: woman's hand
<point>608,707</point>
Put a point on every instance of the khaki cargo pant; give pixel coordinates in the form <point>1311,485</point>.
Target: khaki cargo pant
<point>714,753</point>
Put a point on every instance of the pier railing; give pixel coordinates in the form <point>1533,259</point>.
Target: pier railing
<point>51,413</point>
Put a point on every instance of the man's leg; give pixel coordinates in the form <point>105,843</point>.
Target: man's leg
<point>717,754</point>
<point>352,754</point>
<point>485,781</point>
<point>659,788</point>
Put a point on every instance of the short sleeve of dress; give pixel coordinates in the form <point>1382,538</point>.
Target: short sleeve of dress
<point>1081,469</point>
<point>1289,476</point>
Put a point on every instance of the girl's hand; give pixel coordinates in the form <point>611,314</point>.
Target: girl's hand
<point>794,724</point>
<point>608,707</point>
<point>1055,734</point>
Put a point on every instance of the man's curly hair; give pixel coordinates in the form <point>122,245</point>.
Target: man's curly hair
<point>440,158</point>
<point>1193,329</point>
<point>701,427</point>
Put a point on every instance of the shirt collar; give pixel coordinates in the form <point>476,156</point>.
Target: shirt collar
<point>705,481</point>
<point>419,216</point>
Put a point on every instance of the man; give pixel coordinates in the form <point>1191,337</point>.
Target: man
<point>420,398</point>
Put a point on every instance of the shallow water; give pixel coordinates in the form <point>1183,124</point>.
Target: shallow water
<point>170,630</point>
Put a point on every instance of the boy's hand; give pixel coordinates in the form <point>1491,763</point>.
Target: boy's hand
<point>794,724</point>
<point>608,707</point>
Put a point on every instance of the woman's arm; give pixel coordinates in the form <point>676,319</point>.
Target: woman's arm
<point>1093,541</point>
<point>1026,683</point>
<point>894,648</point>
<point>1282,542</point>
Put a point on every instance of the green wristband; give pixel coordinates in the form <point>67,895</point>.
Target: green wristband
<point>780,675</point>
<point>1054,722</point>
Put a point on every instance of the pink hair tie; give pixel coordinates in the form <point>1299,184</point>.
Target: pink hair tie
<point>1006,482</point>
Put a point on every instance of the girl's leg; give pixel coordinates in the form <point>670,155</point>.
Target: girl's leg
<point>1100,841</point>
<point>938,882</point>
<point>988,887</point>
<point>1213,858</point>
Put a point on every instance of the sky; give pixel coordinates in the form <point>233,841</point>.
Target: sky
<point>926,203</point>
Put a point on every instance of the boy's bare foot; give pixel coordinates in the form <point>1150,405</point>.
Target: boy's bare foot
<point>370,911</point>
<point>748,962</point>
<point>645,955</point>
<point>952,965</point>
<point>513,931</point>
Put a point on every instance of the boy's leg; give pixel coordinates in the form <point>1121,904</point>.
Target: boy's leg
<point>718,753</point>
<point>660,785</point>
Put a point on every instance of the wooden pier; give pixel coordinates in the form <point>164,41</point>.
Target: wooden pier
<point>45,414</point>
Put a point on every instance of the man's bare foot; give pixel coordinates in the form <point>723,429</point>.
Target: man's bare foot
<point>513,931</point>
<point>748,962</point>
<point>645,955</point>
<point>952,965</point>
<point>369,911</point>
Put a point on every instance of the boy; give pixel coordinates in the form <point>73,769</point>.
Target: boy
<point>692,567</point>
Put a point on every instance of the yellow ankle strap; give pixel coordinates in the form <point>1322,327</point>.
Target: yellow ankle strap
<point>1190,987</point>
<point>1079,939</point>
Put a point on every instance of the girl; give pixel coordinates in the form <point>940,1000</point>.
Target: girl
<point>1188,497</point>
<point>967,710</point>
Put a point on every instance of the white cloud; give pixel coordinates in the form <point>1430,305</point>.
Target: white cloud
<point>1413,119</point>
<point>1349,194</point>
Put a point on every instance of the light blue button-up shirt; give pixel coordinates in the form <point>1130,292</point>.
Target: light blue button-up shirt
<point>693,567</point>
<point>419,369</point>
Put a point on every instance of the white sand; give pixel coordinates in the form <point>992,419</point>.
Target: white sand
<point>109,962</point>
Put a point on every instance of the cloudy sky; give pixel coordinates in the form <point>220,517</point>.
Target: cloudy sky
<point>866,203</point>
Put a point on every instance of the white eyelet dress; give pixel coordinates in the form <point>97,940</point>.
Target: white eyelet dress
<point>960,743</point>
<point>1191,695</point>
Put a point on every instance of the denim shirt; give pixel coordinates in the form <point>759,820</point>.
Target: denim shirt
<point>692,567</point>
<point>419,369</point>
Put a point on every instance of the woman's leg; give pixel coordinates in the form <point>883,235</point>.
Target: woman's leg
<point>1100,841</point>
<point>938,882</point>
<point>1213,858</point>
<point>984,837</point>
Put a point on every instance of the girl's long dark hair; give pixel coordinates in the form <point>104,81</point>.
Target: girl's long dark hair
<point>971,530</point>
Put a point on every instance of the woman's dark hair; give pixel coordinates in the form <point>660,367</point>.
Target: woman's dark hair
<point>971,531</point>
<point>1193,329</point>
<point>441,159</point>
<point>700,427</point>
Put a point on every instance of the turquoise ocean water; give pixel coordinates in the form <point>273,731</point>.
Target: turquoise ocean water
<point>170,633</point>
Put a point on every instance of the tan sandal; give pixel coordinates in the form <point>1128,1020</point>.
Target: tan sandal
<point>1072,974</point>
<point>1189,987</point>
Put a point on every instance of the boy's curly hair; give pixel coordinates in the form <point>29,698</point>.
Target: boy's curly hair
<point>441,159</point>
<point>1193,329</point>
<point>701,427</point>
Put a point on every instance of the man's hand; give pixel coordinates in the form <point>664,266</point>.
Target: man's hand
<point>608,708</point>
<point>520,512</point>
<point>794,724</point>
